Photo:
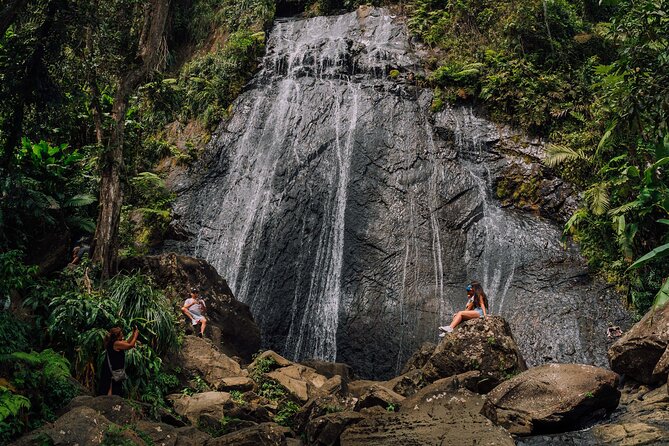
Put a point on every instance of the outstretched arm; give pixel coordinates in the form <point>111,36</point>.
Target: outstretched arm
<point>130,343</point>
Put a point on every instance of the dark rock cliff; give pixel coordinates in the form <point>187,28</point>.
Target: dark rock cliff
<point>349,217</point>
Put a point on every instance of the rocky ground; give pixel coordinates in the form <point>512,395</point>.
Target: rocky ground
<point>473,388</point>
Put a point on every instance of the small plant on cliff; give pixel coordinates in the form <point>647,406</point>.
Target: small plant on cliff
<point>287,411</point>
<point>391,407</point>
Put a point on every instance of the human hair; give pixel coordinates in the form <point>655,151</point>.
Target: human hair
<point>114,335</point>
<point>479,294</point>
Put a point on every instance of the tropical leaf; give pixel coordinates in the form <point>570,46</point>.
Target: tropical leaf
<point>662,296</point>
<point>557,154</point>
<point>657,253</point>
<point>82,223</point>
<point>625,208</point>
<point>597,197</point>
<point>11,404</point>
<point>80,200</point>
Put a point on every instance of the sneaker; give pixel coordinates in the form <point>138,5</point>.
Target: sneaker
<point>441,335</point>
<point>199,335</point>
<point>446,328</point>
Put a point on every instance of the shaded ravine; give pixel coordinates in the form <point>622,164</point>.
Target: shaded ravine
<point>349,217</point>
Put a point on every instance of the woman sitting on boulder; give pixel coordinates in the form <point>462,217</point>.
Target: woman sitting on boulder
<point>477,307</point>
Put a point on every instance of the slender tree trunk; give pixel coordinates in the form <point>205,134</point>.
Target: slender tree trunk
<point>150,55</point>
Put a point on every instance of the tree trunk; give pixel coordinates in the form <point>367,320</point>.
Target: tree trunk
<point>150,55</point>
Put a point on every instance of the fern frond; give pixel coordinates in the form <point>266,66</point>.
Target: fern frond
<point>625,208</point>
<point>597,197</point>
<point>81,200</point>
<point>558,154</point>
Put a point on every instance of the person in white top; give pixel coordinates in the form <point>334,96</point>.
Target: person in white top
<point>195,308</point>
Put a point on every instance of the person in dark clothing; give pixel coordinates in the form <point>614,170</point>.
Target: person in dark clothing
<point>115,347</point>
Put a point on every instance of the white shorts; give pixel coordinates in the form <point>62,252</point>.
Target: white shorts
<point>197,318</point>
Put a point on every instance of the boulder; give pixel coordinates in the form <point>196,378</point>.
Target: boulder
<point>303,382</point>
<point>377,395</point>
<point>331,369</point>
<point>642,418</point>
<point>637,353</point>
<point>436,415</point>
<point>478,344</point>
<point>326,430</point>
<point>276,360</point>
<point>419,357</point>
<point>231,324</point>
<point>240,383</point>
<point>406,384</point>
<point>200,357</point>
<point>166,435</point>
<point>553,398</point>
<point>114,408</point>
<point>265,434</point>
<point>192,407</point>
<point>318,407</point>
<point>81,425</point>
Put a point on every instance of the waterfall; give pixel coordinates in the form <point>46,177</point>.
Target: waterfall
<point>350,218</point>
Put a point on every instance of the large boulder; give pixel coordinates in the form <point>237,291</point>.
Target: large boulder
<point>200,357</point>
<point>231,324</point>
<point>637,353</point>
<point>304,382</point>
<point>212,404</point>
<point>265,434</point>
<point>642,418</point>
<point>483,345</point>
<point>90,421</point>
<point>553,398</point>
<point>441,413</point>
<point>81,425</point>
<point>326,430</point>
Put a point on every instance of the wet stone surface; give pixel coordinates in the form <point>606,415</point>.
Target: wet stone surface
<point>349,217</point>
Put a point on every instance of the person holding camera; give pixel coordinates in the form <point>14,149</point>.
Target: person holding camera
<point>477,307</point>
<point>113,370</point>
<point>195,308</point>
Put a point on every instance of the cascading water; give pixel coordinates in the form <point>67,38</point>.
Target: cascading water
<point>350,218</point>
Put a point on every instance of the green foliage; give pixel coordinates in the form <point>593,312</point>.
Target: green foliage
<point>210,83</point>
<point>41,384</point>
<point>141,304</point>
<point>286,413</point>
<point>237,397</point>
<point>391,407</point>
<point>12,406</point>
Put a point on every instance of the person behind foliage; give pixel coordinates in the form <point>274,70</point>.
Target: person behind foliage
<point>195,308</point>
<point>113,369</point>
<point>477,307</point>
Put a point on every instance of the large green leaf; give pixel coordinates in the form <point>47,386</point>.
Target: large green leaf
<point>662,296</point>
<point>657,253</point>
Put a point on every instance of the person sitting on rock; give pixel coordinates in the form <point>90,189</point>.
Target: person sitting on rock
<point>195,308</point>
<point>477,307</point>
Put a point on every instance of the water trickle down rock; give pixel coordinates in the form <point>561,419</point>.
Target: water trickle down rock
<point>350,218</point>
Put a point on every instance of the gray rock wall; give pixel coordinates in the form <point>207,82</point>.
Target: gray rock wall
<point>350,218</point>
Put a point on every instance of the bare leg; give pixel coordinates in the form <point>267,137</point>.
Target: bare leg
<point>463,316</point>
<point>204,325</point>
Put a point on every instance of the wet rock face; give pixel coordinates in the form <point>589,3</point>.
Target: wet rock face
<point>350,219</point>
